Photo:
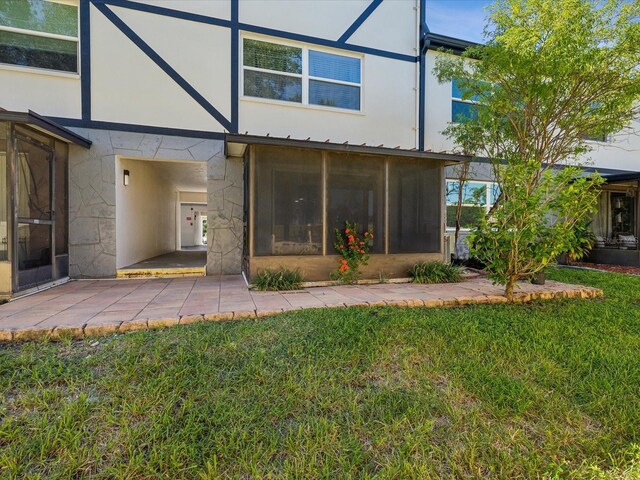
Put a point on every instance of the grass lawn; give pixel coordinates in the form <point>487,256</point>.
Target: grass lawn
<point>549,389</point>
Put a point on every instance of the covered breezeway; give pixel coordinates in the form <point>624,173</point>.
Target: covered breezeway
<point>161,208</point>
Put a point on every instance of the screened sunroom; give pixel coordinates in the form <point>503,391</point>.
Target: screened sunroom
<point>300,192</point>
<point>615,224</point>
<point>34,212</point>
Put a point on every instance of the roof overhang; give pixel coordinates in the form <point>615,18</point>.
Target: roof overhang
<point>621,177</point>
<point>434,41</point>
<point>46,125</point>
<point>234,145</point>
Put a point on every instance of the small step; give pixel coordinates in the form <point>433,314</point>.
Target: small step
<point>167,272</point>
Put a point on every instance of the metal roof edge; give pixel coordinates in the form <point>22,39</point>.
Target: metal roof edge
<point>344,147</point>
<point>32,118</point>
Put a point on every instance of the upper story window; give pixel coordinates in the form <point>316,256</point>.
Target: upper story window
<point>461,110</point>
<point>40,34</point>
<point>334,80</point>
<point>272,71</point>
<point>301,75</point>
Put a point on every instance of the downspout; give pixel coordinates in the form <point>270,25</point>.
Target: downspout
<point>416,73</point>
<point>235,67</point>
<point>424,44</point>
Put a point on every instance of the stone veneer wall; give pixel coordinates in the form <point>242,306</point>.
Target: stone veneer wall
<point>225,232</point>
<point>92,198</point>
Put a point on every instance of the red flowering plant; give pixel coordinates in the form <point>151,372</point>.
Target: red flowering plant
<point>353,247</point>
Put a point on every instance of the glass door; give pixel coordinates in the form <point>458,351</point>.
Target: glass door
<point>35,199</point>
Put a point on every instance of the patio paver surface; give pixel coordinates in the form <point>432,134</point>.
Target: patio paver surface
<point>97,307</point>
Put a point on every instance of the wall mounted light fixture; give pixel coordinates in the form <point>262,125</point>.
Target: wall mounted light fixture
<point>125,178</point>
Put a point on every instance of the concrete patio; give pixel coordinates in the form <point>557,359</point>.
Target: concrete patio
<point>99,307</point>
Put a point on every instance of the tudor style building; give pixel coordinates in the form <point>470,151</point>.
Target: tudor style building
<point>219,136</point>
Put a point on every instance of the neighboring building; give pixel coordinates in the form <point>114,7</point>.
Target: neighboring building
<point>616,157</point>
<point>266,124</point>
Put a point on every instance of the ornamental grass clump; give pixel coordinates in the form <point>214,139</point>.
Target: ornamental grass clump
<point>274,280</point>
<point>353,247</point>
<point>435,272</point>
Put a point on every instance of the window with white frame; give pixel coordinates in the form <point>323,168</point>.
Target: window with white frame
<point>477,198</point>
<point>462,108</point>
<point>301,75</point>
<point>40,34</point>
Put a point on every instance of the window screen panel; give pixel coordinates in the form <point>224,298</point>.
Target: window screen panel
<point>288,202</point>
<point>272,56</point>
<point>334,67</point>
<point>40,16</point>
<point>34,254</point>
<point>334,95</point>
<point>415,194</point>
<point>35,135</point>
<point>3,189</point>
<point>34,181</point>
<point>62,198</point>
<point>40,52</point>
<point>356,194</point>
<point>274,86</point>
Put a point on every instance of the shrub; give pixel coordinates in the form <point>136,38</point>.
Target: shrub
<point>274,280</point>
<point>353,247</point>
<point>581,241</point>
<point>435,272</point>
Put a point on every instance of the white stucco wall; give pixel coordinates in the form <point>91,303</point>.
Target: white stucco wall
<point>194,197</point>
<point>437,108</point>
<point>326,19</point>
<point>620,152</point>
<point>47,93</point>
<point>190,224</point>
<point>212,8</point>
<point>145,213</point>
<point>393,26</point>
<point>127,87</point>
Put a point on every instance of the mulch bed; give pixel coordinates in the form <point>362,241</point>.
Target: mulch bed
<point>608,268</point>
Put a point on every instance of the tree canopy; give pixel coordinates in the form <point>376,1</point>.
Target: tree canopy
<point>552,75</point>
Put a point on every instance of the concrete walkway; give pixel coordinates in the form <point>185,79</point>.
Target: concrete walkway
<point>98,307</point>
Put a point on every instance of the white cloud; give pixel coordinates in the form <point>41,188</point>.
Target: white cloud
<point>463,19</point>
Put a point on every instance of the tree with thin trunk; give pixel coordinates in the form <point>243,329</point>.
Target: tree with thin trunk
<point>551,75</point>
<point>462,173</point>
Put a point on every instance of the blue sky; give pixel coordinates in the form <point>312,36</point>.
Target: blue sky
<point>463,19</point>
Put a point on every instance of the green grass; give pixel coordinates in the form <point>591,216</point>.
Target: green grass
<point>545,390</point>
